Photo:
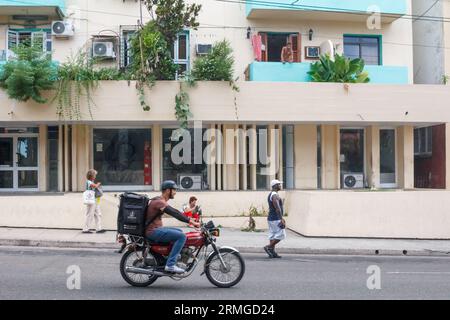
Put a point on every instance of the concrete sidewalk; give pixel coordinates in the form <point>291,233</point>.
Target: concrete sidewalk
<point>244,241</point>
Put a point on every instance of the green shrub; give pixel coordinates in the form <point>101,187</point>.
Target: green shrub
<point>342,70</point>
<point>28,74</point>
<point>217,65</point>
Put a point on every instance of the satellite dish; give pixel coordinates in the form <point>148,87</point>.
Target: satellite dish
<point>327,47</point>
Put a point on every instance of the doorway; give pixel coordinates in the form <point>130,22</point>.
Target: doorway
<point>19,163</point>
<point>273,43</point>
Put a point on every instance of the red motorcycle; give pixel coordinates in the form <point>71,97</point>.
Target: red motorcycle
<point>143,262</point>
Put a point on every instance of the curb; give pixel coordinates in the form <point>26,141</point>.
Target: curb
<point>281,250</point>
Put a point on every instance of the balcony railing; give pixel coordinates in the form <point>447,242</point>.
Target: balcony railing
<point>327,9</point>
<point>298,72</point>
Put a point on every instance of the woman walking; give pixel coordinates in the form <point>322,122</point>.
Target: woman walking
<point>93,210</point>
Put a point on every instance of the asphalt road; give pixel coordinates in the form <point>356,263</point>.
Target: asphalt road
<point>30,273</point>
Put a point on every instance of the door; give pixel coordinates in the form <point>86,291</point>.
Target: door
<point>388,177</point>
<point>19,163</point>
<point>6,163</point>
<point>296,45</point>
<point>12,41</point>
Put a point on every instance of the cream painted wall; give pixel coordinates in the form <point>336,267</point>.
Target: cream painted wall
<point>305,144</point>
<point>219,20</point>
<point>373,156</point>
<point>296,103</point>
<point>68,211</point>
<point>447,38</point>
<point>330,157</point>
<point>381,214</point>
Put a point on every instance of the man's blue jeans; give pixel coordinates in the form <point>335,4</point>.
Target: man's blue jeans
<point>167,235</point>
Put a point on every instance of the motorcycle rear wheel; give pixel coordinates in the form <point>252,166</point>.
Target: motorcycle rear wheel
<point>225,278</point>
<point>132,259</point>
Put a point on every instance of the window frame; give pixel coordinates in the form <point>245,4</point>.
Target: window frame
<point>47,39</point>
<point>176,58</point>
<point>125,33</point>
<point>138,188</point>
<point>371,36</point>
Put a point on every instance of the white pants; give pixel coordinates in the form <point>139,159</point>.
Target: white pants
<point>93,212</point>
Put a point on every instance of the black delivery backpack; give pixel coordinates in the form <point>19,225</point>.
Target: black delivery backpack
<point>132,214</point>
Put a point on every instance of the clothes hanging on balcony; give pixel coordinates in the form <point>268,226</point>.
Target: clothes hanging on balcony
<point>257,44</point>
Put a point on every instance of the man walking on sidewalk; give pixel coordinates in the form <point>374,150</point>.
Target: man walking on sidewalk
<point>277,225</point>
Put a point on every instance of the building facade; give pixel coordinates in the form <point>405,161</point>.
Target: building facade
<point>346,152</point>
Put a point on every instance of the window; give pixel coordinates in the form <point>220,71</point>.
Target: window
<point>180,53</point>
<point>288,157</point>
<point>52,163</point>
<point>423,141</point>
<point>123,157</point>
<point>367,48</point>
<point>273,43</point>
<point>352,151</point>
<point>42,38</point>
<point>125,45</point>
<point>176,163</point>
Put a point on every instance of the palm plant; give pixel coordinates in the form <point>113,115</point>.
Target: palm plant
<point>341,69</point>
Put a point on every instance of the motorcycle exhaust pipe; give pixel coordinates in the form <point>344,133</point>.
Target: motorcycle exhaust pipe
<point>145,271</point>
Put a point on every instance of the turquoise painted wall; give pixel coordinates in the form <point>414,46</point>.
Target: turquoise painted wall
<point>386,6</point>
<point>34,3</point>
<point>46,3</point>
<point>298,72</point>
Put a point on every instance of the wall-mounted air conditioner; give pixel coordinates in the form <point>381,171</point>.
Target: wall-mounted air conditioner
<point>190,181</point>
<point>353,181</point>
<point>103,49</point>
<point>203,49</point>
<point>63,29</point>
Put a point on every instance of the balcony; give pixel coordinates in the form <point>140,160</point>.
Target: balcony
<point>116,103</point>
<point>332,10</point>
<point>298,72</point>
<point>36,10</point>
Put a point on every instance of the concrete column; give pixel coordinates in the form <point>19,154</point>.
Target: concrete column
<point>67,160</point>
<point>82,155</point>
<point>373,156</point>
<point>43,157</point>
<point>211,156</point>
<point>330,157</point>
<point>219,156</point>
<point>280,173</point>
<point>73,162</point>
<point>156,157</point>
<point>305,137</point>
<point>243,158</point>
<point>60,158</point>
<point>253,157</point>
<point>406,157</point>
<point>230,167</point>
<point>272,142</point>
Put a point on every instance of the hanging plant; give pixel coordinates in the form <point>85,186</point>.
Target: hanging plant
<point>28,74</point>
<point>76,81</point>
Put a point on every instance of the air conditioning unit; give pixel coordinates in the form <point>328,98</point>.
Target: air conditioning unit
<point>103,49</point>
<point>203,49</point>
<point>63,29</point>
<point>190,181</point>
<point>353,181</point>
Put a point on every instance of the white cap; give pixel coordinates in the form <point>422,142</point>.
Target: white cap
<point>275,182</point>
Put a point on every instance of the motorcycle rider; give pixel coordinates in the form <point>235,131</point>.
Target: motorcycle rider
<point>155,231</point>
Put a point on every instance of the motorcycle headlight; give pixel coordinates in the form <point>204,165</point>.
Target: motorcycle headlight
<point>215,232</point>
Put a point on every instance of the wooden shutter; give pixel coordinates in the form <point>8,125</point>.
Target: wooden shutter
<point>264,52</point>
<point>296,46</point>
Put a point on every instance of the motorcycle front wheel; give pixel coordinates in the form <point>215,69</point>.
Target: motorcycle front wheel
<point>228,276</point>
<point>135,259</point>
